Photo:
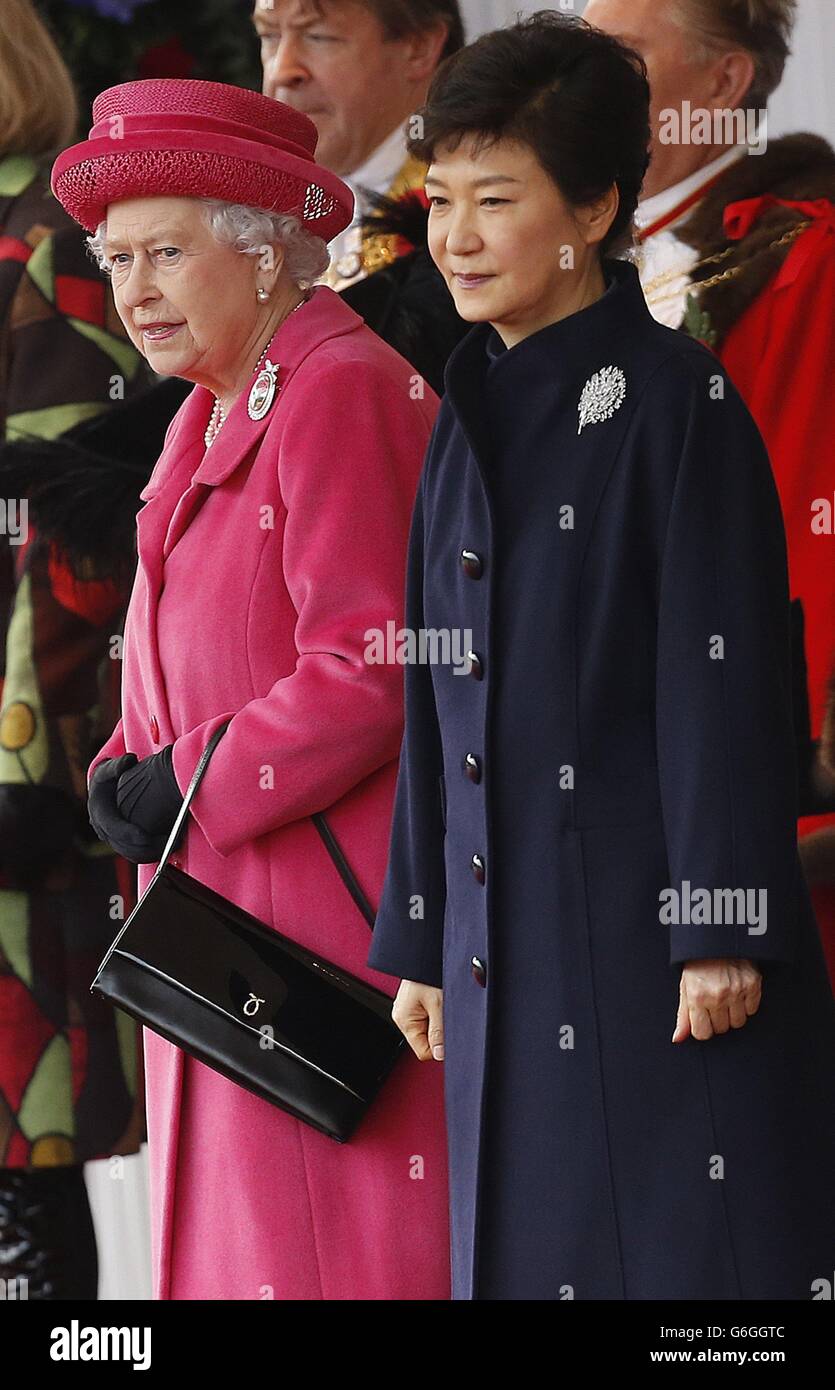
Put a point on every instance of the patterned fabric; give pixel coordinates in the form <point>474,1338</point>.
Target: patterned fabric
<point>362,251</point>
<point>71,1081</point>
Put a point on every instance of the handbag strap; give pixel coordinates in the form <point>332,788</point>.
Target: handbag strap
<point>330,842</point>
<point>343,868</point>
<point>196,779</point>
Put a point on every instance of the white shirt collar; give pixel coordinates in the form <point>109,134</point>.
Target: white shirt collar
<point>380,169</point>
<point>661,203</point>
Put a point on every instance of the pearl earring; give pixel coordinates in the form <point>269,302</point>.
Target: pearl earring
<point>263,295</point>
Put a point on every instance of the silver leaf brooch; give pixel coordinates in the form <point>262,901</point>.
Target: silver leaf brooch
<point>603,394</point>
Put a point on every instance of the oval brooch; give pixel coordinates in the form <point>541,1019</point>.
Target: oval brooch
<point>263,391</point>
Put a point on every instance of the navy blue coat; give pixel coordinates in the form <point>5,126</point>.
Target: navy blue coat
<point>625,728</point>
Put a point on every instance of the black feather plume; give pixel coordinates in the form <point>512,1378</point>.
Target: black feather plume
<point>406,216</point>
<point>83,487</point>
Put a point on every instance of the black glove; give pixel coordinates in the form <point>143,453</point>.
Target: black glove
<point>147,794</point>
<point>140,838</point>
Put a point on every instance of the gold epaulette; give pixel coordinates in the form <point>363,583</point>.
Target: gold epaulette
<point>377,249</point>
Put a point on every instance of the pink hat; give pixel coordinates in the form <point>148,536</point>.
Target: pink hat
<point>192,139</point>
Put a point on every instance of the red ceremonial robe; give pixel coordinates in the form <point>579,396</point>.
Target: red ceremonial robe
<point>781,357</point>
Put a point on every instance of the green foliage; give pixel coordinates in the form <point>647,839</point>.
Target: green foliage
<point>697,323</point>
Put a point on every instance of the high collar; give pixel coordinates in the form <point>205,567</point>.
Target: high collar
<point>558,346</point>
<point>661,203</point>
<point>485,381</point>
<point>325,315</point>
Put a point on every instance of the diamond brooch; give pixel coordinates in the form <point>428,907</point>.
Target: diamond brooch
<point>603,394</point>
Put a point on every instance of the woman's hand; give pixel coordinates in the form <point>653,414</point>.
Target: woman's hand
<point>125,835</point>
<point>147,794</point>
<point>418,1013</point>
<point>716,995</point>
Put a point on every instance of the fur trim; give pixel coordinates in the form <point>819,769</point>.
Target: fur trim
<point>800,168</point>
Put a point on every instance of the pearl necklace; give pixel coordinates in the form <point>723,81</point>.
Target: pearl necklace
<point>218,417</point>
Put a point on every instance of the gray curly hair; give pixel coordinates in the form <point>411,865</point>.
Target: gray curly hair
<point>250,231</point>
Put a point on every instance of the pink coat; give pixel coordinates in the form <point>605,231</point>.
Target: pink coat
<point>262,563</point>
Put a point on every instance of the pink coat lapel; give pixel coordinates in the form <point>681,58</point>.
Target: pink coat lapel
<point>186,470</point>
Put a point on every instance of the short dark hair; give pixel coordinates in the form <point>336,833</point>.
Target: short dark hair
<point>576,96</point>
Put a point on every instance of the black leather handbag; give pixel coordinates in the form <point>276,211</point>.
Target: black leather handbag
<point>265,1012</point>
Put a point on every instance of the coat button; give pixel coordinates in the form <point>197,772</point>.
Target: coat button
<point>477,866</point>
<point>479,971</point>
<point>472,564</point>
<point>154,727</point>
<point>476,670</point>
<point>472,767</point>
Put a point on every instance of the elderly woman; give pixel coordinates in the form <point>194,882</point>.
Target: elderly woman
<point>273,537</point>
<point>637,1023</point>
